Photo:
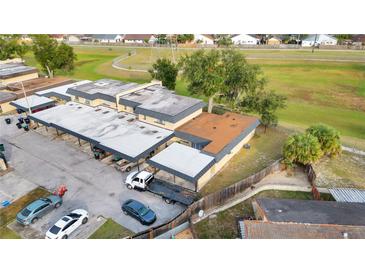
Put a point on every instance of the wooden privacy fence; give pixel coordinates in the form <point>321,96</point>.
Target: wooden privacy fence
<point>210,201</point>
<point>311,174</point>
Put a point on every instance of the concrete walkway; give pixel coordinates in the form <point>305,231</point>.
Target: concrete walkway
<point>276,181</point>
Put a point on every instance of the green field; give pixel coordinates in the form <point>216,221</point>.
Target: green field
<point>324,86</point>
<point>111,230</point>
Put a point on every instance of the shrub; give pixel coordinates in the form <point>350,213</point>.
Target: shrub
<point>328,138</point>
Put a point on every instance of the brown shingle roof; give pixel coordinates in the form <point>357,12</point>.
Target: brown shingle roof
<point>272,230</point>
<point>221,130</point>
<point>38,84</point>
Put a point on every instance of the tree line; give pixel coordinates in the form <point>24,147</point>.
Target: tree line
<point>51,55</point>
<point>225,77</point>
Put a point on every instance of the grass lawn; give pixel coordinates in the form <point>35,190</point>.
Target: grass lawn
<point>265,149</point>
<point>346,170</point>
<point>8,214</point>
<point>224,224</point>
<point>111,230</point>
<point>318,90</point>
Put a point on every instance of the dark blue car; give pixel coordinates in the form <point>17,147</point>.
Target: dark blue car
<point>139,211</point>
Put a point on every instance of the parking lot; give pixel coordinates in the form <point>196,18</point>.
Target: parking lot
<point>46,161</point>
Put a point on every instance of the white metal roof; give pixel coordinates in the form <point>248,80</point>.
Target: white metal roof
<point>33,100</point>
<point>183,161</point>
<point>61,90</point>
<point>117,131</point>
<point>348,195</point>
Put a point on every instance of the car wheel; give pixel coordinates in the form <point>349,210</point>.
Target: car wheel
<point>57,205</point>
<point>168,201</point>
<point>129,186</point>
<point>125,212</point>
<point>64,237</point>
<point>84,221</point>
<point>128,169</point>
<point>34,220</point>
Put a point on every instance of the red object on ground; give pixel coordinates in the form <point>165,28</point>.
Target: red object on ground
<point>62,189</point>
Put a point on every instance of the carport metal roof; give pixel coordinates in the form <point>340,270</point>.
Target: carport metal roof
<point>116,132</point>
<point>35,102</point>
<point>348,195</point>
<point>183,161</point>
<point>60,92</point>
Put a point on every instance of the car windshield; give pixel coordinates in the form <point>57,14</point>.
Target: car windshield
<point>74,215</point>
<point>143,211</point>
<point>55,229</point>
<point>26,212</point>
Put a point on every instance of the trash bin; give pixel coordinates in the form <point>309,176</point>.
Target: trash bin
<point>21,120</point>
<point>26,128</point>
<point>19,125</point>
<point>27,121</point>
<point>8,121</point>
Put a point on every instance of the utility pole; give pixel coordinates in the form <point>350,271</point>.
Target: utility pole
<point>314,44</point>
<point>26,98</point>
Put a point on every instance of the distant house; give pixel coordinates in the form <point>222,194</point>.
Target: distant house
<point>57,37</point>
<point>319,39</point>
<point>245,39</point>
<point>358,40</point>
<point>73,39</point>
<point>108,38</point>
<point>139,39</point>
<point>205,39</point>
<point>274,40</point>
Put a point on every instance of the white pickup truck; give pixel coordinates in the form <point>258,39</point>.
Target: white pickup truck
<point>144,180</point>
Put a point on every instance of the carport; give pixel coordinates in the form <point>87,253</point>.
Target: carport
<point>182,161</point>
<point>118,133</point>
<point>34,102</point>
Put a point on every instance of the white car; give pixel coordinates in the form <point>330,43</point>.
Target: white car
<point>68,224</point>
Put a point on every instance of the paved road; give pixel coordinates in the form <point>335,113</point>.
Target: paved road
<point>92,185</point>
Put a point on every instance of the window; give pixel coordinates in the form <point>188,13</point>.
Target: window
<point>69,224</point>
<point>77,99</point>
<point>125,107</point>
<point>144,117</point>
<point>40,208</point>
<point>87,102</point>
<point>159,121</point>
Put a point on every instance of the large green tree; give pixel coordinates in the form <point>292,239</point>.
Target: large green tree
<point>328,137</point>
<point>51,55</point>
<point>301,148</point>
<point>203,71</point>
<point>8,46</point>
<point>165,71</point>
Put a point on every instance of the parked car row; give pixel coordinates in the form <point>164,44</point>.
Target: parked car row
<point>68,224</point>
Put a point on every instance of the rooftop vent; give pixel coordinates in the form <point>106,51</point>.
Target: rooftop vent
<point>101,84</point>
<point>154,131</point>
<point>130,120</point>
<point>142,127</point>
<point>79,107</point>
<point>121,117</point>
<point>98,109</point>
<point>105,112</point>
<point>214,127</point>
<point>158,137</point>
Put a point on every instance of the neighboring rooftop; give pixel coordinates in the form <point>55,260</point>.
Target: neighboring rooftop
<point>105,36</point>
<point>348,195</point>
<point>219,130</point>
<point>118,133</point>
<point>38,84</point>
<point>137,36</point>
<point>270,230</point>
<point>183,161</point>
<point>105,89</point>
<point>11,70</point>
<point>61,91</point>
<point>161,103</point>
<point>34,101</point>
<point>6,96</point>
<point>312,211</point>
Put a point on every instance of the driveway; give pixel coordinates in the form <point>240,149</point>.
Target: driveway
<point>92,185</point>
